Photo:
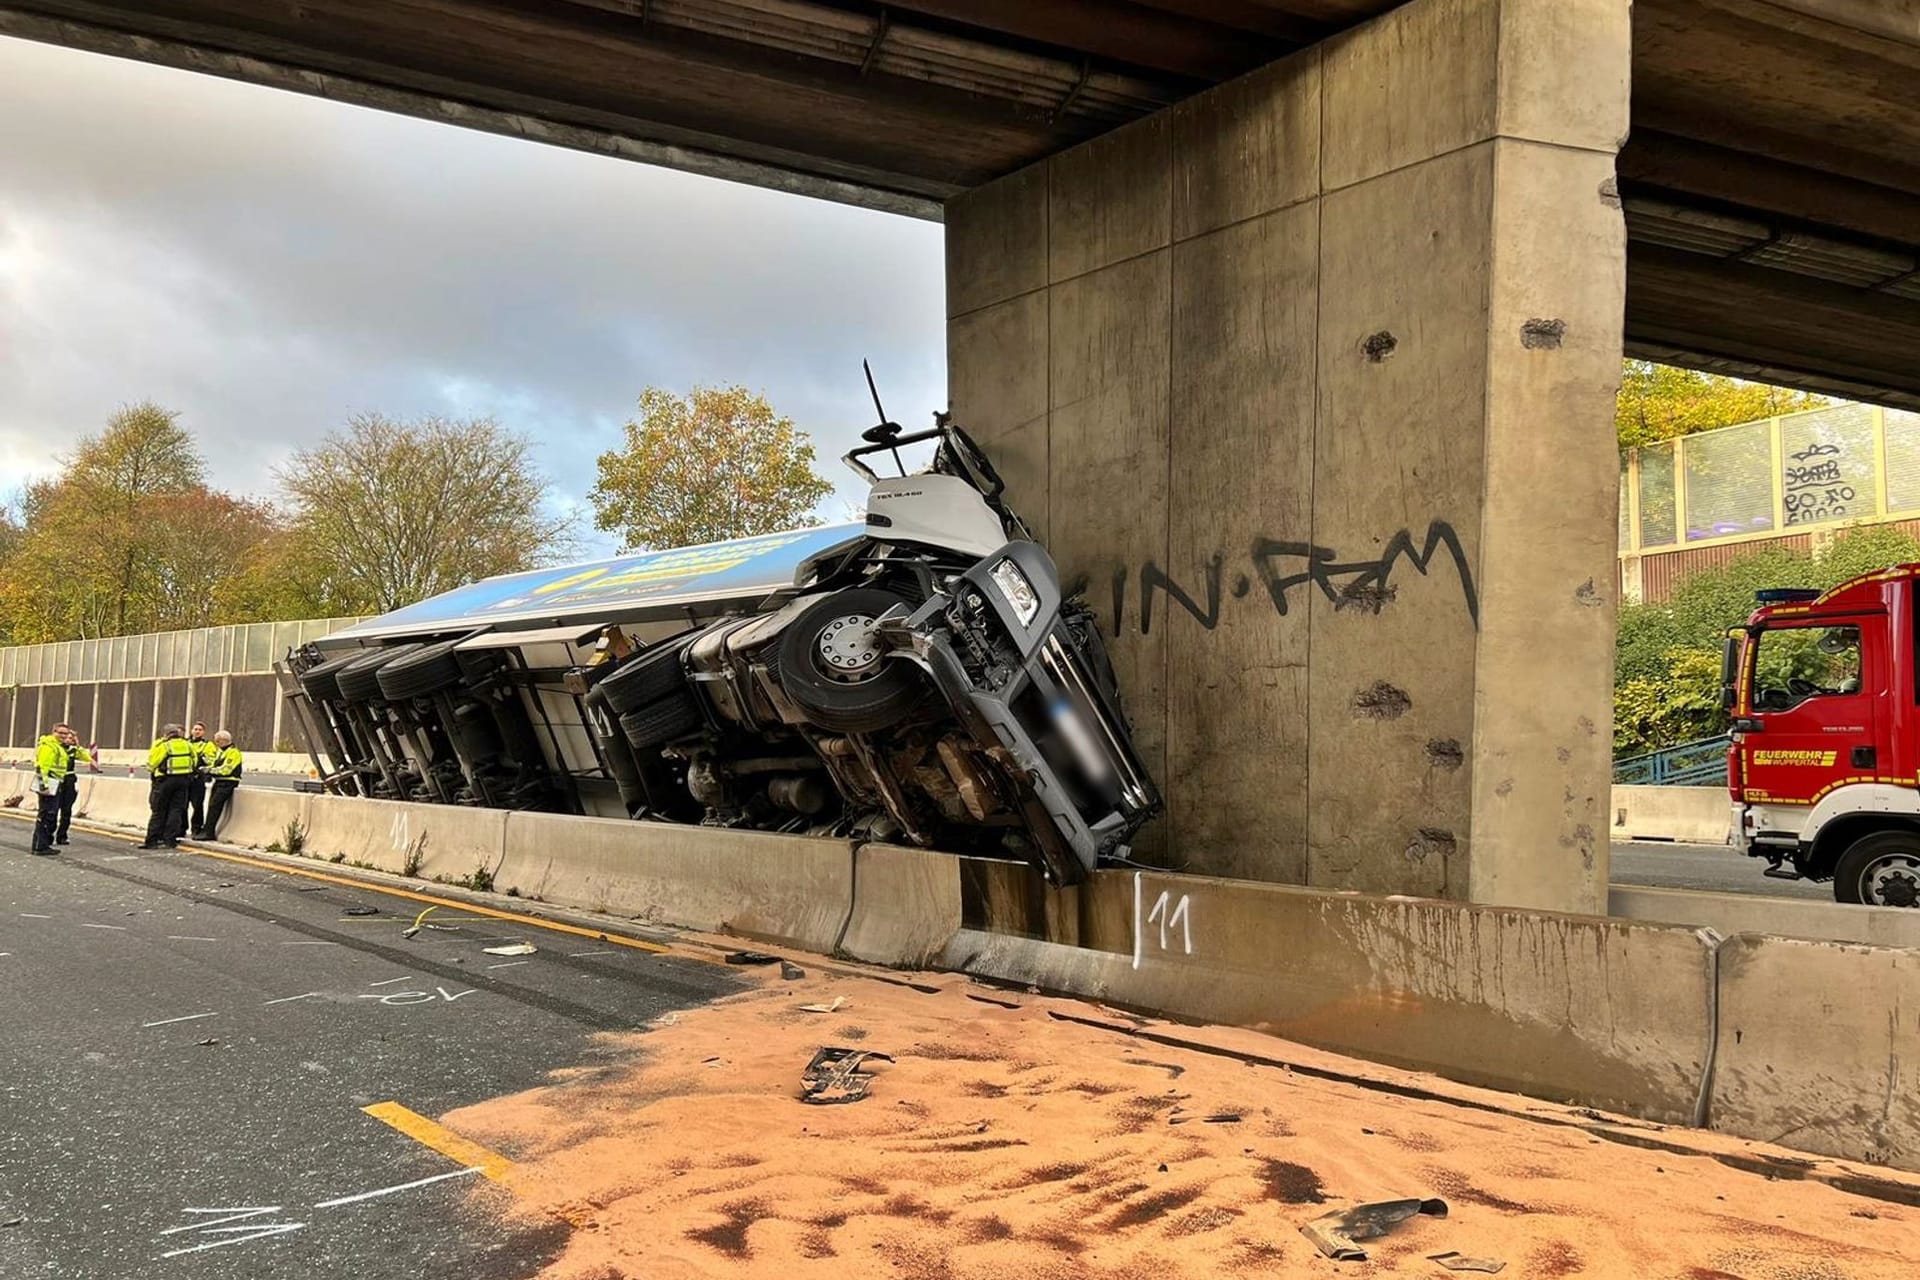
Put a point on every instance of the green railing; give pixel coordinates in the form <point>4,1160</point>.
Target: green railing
<point>1700,763</point>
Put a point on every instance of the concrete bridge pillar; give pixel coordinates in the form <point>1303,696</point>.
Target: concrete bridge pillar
<point>1309,380</point>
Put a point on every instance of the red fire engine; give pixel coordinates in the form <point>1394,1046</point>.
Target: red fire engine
<point>1826,736</point>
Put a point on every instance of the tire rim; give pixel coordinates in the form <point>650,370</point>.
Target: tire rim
<point>849,650</point>
<point>1892,880</point>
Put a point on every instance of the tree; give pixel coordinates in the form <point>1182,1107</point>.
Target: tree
<point>1659,402</point>
<point>717,463</point>
<point>405,510</point>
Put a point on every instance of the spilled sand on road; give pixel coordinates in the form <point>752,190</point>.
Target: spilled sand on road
<point>1005,1142</point>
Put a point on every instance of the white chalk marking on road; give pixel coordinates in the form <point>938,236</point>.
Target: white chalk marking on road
<point>5,954</point>
<point>575,955</point>
<point>511,964</point>
<point>451,997</point>
<point>122,928</point>
<point>387,982</point>
<point>307,995</point>
<point>312,942</point>
<point>467,1172</point>
<point>122,857</point>
<point>241,1236</point>
<point>167,1022</point>
<point>234,1213</point>
<point>34,915</point>
<point>188,937</point>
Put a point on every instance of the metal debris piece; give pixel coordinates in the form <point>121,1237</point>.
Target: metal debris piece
<point>839,1003</point>
<point>361,911</point>
<point>418,920</point>
<point>834,1075</point>
<point>1221,1117</point>
<point>751,957</point>
<point>210,1040</point>
<point>791,972</point>
<point>1459,1262</point>
<point>12,1222</point>
<point>1338,1234</point>
<point>512,949</point>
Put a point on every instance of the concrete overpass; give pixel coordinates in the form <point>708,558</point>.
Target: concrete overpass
<point>1295,322</point>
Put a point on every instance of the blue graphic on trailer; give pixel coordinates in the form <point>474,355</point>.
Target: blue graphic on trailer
<point>745,567</point>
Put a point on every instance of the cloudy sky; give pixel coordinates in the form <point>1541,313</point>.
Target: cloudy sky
<point>268,264</point>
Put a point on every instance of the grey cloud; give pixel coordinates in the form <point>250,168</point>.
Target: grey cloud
<point>269,264</point>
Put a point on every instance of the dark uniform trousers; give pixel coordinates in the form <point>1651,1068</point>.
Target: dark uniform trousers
<point>219,797</point>
<point>44,822</point>
<point>196,799</point>
<point>69,792</point>
<point>167,803</point>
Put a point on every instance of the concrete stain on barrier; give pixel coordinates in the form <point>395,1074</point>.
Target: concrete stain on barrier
<point>1381,701</point>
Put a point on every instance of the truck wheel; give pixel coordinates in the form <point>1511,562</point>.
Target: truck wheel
<point>360,682</point>
<point>674,716</point>
<point>832,667</point>
<point>420,673</point>
<point>646,679</point>
<point>1880,870</point>
<point>321,681</point>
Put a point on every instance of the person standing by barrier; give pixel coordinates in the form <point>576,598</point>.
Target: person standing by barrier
<point>228,764</point>
<point>77,755</point>
<point>51,765</point>
<point>203,754</point>
<point>170,764</point>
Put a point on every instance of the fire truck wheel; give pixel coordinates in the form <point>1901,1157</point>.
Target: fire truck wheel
<point>1880,870</point>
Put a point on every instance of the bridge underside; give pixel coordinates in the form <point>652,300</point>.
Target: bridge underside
<point>1772,178</point>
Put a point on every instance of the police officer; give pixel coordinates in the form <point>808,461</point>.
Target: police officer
<point>203,754</point>
<point>171,764</point>
<point>51,767</point>
<point>225,772</point>
<point>77,755</point>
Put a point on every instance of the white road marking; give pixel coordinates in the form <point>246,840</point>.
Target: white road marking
<point>467,1172</point>
<point>167,1022</point>
<point>122,857</point>
<point>122,928</point>
<point>303,996</point>
<point>234,1213</point>
<point>241,1236</point>
<point>511,964</point>
<point>310,943</point>
<point>188,937</point>
<point>34,915</point>
<point>387,982</point>
<point>575,955</point>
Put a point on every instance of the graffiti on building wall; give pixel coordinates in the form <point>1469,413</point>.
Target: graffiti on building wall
<point>1287,572</point>
<point>1814,485</point>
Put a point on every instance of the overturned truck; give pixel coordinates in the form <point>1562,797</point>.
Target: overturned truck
<point>917,679</point>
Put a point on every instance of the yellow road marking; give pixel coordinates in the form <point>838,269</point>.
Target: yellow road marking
<point>366,886</point>
<point>431,1133</point>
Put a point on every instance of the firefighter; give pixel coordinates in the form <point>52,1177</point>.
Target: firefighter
<point>225,770</point>
<point>203,755</point>
<point>51,765</point>
<point>170,764</point>
<point>77,755</point>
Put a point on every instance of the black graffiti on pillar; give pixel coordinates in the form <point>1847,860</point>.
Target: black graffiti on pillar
<point>1153,579</point>
<point>1366,584</point>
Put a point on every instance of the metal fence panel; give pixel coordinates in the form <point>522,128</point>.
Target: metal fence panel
<point>1827,464</point>
<point>1659,516</point>
<point>1729,482</point>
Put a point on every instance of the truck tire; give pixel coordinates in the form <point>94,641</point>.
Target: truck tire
<point>321,681</point>
<point>820,665</point>
<point>646,678</point>
<point>420,673</point>
<point>1880,870</point>
<point>659,723</point>
<point>360,681</point>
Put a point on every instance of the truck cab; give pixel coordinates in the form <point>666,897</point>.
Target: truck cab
<point>1825,712</point>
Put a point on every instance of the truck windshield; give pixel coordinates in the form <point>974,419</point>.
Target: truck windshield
<point>1793,664</point>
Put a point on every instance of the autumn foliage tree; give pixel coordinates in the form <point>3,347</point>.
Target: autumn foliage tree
<point>1659,402</point>
<point>716,463</point>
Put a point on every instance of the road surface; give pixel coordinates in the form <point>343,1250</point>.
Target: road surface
<point>189,1044</point>
<point>1664,865</point>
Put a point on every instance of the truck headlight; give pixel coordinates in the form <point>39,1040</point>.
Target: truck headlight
<point>1019,592</point>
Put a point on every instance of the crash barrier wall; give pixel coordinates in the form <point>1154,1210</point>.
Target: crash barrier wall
<point>1691,815</point>
<point>1662,1021</point>
<point>1731,913</point>
<point>1817,1046</point>
<point>127,714</point>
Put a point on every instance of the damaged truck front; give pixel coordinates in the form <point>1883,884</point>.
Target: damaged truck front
<point>918,678</point>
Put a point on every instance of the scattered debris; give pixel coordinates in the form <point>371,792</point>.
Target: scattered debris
<point>791,971</point>
<point>833,1075</point>
<point>839,1003</point>
<point>361,911</point>
<point>751,957</point>
<point>512,949</point>
<point>1458,1262</point>
<point>208,1042</point>
<point>11,802</point>
<point>418,920</point>
<point>992,1000</point>
<point>12,1222</point>
<point>1220,1117</point>
<point>1338,1234</point>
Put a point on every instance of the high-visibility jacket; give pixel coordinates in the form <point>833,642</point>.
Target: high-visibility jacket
<point>172,757</point>
<point>227,763</point>
<point>51,759</point>
<point>204,754</point>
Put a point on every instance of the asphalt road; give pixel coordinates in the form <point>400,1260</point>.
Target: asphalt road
<point>189,1042</point>
<point>1719,867</point>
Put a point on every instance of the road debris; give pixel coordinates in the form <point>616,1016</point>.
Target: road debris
<point>1338,1234</point>
<point>418,921</point>
<point>512,949</point>
<point>208,1042</point>
<point>791,971</point>
<point>1219,1117</point>
<point>361,911</point>
<point>751,957</point>
<point>1460,1262</point>
<point>839,1003</point>
<point>834,1075</point>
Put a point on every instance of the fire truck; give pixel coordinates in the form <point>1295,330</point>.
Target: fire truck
<point>1825,746</point>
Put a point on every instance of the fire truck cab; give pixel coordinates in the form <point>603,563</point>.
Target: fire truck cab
<point>1826,736</point>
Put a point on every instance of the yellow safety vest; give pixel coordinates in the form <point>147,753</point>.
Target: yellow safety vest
<point>50,758</point>
<point>172,757</point>
<point>226,763</point>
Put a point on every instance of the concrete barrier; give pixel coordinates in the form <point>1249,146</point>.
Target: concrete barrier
<point>1609,1013</point>
<point>442,841</point>
<point>1817,1046</point>
<point>119,801</point>
<point>906,906</point>
<point>1692,815</point>
<point>1731,913</point>
<point>794,890</point>
<point>259,816</point>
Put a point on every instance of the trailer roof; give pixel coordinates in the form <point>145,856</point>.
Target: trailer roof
<point>642,587</point>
